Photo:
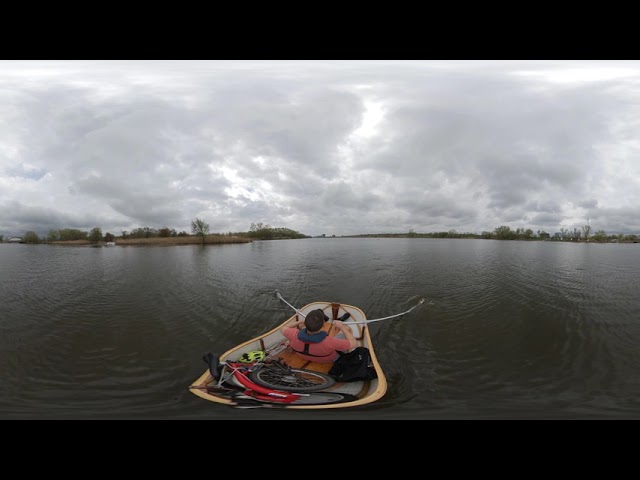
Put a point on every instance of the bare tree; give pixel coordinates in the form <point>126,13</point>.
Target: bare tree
<point>199,227</point>
<point>576,234</point>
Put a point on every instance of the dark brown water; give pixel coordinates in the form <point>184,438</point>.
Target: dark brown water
<point>517,330</point>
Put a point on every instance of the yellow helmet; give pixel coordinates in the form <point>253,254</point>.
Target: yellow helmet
<point>250,357</point>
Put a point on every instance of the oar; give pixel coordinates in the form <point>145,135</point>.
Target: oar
<point>346,315</point>
<point>297,311</point>
<point>422,300</point>
<point>387,318</point>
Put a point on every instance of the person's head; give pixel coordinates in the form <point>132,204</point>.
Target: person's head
<point>314,321</point>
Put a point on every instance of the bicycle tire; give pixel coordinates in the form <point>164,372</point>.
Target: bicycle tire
<point>291,379</point>
<point>324,398</point>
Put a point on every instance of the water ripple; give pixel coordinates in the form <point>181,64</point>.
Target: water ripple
<point>514,330</point>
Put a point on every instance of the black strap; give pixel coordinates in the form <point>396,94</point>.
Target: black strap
<point>306,351</point>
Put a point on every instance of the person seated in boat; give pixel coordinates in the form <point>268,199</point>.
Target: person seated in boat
<point>314,344</point>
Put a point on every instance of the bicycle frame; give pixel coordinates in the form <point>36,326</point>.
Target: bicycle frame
<point>258,391</point>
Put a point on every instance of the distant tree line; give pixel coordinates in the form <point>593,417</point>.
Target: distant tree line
<point>146,232</point>
<point>504,232</point>
<point>261,231</point>
<point>257,231</point>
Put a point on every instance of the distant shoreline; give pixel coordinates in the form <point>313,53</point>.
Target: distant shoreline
<point>161,241</point>
<point>220,239</point>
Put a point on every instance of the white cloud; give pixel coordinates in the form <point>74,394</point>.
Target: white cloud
<point>333,147</point>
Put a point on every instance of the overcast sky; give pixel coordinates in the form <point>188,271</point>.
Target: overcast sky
<point>321,147</point>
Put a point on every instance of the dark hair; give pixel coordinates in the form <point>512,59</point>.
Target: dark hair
<point>314,320</point>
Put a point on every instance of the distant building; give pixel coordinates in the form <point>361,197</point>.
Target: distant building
<point>14,240</point>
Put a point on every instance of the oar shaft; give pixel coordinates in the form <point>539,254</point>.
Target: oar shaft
<point>356,321</point>
<point>387,318</point>
<point>297,311</point>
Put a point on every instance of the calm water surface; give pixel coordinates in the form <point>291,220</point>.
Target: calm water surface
<point>516,330</point>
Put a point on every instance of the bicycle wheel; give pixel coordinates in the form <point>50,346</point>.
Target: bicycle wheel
<point>291,379</point>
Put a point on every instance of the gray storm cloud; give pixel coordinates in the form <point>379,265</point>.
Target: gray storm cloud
<point>342,147</point>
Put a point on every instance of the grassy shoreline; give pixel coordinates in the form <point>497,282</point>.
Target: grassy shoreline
<point>213,239</point>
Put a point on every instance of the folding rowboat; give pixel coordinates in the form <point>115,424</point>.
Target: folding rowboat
<point>285,380</point>
<point>265,372</point>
